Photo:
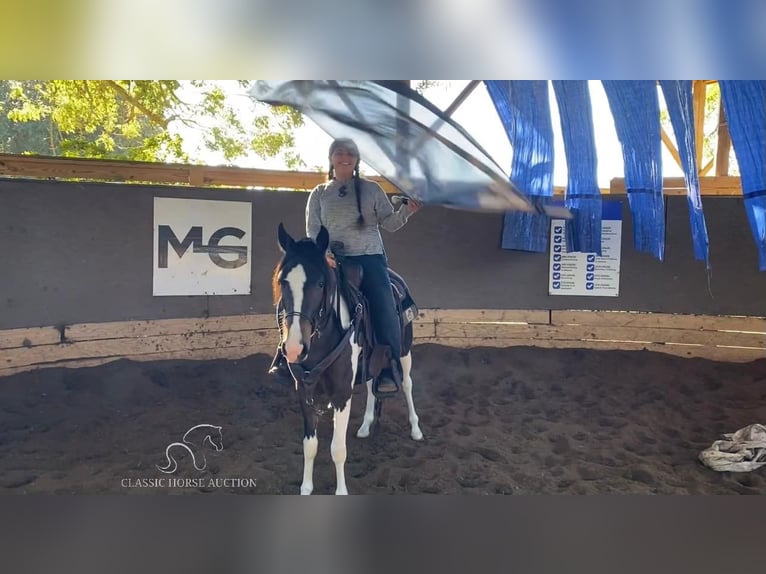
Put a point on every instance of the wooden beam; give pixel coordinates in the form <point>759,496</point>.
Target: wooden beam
<point>236,336</point>
<point>462,96</point>
<point>724,143</point>
<point>671,147</point>
<point>173,174</point>
<point>708,166</point>
<point>720,186</point>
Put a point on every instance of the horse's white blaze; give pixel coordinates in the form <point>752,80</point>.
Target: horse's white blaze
<point>296,280</point>
<point>309,454</point>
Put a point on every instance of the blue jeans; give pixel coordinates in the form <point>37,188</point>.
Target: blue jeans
<point>376,287</point>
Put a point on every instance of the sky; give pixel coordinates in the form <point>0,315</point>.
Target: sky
<point>478,116</point>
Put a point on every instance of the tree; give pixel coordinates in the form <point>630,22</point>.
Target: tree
<point>141,120</point>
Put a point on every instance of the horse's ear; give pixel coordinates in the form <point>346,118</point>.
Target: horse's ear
<point>323,239</point>
<point>285,241</point>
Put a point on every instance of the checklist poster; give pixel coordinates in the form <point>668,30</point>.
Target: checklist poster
<point>587,273</point>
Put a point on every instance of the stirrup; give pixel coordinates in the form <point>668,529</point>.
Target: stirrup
<point>392,389</point>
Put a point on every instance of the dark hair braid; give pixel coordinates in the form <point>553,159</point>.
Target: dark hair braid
<point>357,189</point>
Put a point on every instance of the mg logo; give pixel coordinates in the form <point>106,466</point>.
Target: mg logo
<point>193,239</point>
<point>201,247</point>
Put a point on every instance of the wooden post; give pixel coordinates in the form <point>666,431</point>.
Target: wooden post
<point>724,142</point>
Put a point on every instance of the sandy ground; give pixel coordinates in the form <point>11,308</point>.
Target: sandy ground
<point>520,420</point>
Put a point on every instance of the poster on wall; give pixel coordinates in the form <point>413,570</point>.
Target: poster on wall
<point>587,273</point>
<point>201,247</point>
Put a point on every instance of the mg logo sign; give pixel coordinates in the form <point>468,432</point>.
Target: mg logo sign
<point>201,247</point>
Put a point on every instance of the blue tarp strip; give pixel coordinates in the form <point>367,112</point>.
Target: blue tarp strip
<point>744,103</point>
<point>678,98</point>
<point>636,110</point>
<point>583,196</point>
<point>524,110</point>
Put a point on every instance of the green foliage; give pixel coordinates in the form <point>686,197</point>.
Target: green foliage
<point>144,120</point>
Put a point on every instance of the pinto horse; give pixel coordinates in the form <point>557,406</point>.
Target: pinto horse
<point>321,340</point>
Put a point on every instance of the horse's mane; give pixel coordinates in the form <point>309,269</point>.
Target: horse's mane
<point>305,250</point>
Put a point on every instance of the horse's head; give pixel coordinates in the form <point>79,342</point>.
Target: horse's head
<point>215,438</point>
<point>206,433</point>
<point>301,283</point>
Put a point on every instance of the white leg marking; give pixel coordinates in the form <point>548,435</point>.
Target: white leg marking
<point>338,447</point>
<point>296,279</point>
<point>310,446</point>
<point>340,428</point>
<point>415,432</point>
<point>369,413</point>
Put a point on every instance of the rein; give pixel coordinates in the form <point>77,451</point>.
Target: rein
<point>309,377</point>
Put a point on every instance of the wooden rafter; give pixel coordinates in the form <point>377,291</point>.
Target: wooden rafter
<point>724,143</point>
<point>671,147</point>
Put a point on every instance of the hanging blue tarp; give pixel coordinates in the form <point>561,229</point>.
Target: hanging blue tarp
<point>583,196</point>
<point>636,110</point>
<point>678,98</point>
<point>524,110</point>
<point>744,103</point>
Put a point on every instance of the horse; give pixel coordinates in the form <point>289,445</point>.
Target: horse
<point>321,337</point>
<point>204,433</point>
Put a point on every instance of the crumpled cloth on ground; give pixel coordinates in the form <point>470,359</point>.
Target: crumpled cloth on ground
<point>741,451</point>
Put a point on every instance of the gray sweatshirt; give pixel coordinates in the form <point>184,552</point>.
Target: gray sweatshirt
<point>336,210</point>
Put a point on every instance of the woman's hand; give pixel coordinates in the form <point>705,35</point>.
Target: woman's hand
<point>413,205</point>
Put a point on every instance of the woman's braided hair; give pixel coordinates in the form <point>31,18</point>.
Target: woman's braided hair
<point>351,146</point>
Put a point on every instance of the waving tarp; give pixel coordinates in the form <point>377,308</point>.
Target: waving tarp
<point>406,139</point>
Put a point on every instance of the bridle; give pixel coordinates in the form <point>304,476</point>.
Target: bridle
<point>318,322</point>
<point>315,331</point>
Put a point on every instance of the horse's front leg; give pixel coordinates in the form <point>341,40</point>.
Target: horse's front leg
<point>338,447</point>
<point>310,442</point>
<point>342,408</point>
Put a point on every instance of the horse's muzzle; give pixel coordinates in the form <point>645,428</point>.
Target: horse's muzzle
<point>295,353</point>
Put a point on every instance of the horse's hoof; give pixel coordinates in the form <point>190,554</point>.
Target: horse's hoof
<point>306,491</point>
<point>363,433</point>
<point>416,435</point>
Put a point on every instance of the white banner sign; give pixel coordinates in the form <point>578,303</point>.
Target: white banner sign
<point>201,247</point>
<point>587,273</point>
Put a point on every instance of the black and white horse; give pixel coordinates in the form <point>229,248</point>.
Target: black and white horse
<point>319,338</point>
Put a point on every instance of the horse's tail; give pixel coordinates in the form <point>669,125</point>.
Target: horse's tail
<point>172,464</point>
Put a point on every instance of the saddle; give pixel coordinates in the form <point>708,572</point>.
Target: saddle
<point>375,357</point>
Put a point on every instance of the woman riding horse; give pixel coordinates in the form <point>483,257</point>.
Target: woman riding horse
<point>353,210</point>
